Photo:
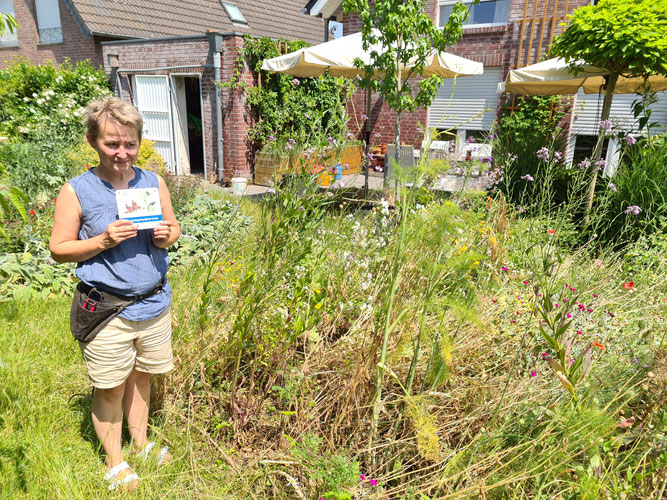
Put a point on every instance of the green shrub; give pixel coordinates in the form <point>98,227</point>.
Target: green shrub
<point>39,168</point>
<point>47,101</point>
<point>641,181</point>
<point>533,125</point>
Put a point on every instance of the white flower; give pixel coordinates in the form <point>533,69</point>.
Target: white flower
<point>26,99</point>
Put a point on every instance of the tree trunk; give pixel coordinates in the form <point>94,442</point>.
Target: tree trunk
<point>597,152</point>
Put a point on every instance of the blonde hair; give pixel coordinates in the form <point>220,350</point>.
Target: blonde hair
<point>114,110</point>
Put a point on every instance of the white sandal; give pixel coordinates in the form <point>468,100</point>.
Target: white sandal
<point>113,472</point>
<point>143,454</point>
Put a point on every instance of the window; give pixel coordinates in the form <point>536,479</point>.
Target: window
<point>48,20</point>
<point>234,13</point>
<point>8,39</point>
<point>485,12</point>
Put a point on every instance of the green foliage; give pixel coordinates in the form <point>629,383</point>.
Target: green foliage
<point>47,101</point>
<point>32,274</point>
<point>628,38</point>
<point>7,23</point>
<point>12,199</point>
<point>308,111</point>
<point>39,168</point>
<point>641,180</point>
<point>407,35</point>
<point>204,220</point>
<point>329,475</point>
<point>521,132</point>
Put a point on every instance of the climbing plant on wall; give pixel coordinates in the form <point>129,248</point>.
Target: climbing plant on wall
<point>307,111</point>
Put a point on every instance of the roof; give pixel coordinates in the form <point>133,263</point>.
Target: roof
<point>171,18</point>
<point>325,8</point>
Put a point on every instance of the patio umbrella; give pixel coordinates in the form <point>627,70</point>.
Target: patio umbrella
<point>337,58</point>
<point>552,77</point>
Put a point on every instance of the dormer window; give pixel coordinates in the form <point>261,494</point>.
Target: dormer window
<point>234,13</point>
<point>48,20</point>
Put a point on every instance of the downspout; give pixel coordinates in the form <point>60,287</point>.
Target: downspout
<point>215,44</point>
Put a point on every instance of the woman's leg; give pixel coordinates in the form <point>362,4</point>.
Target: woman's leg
<point>136,400</point>
<point>108,420</point>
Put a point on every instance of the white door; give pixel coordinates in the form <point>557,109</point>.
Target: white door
<point>153,100</point>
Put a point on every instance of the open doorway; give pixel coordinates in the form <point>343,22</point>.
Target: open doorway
<point>188,124</point>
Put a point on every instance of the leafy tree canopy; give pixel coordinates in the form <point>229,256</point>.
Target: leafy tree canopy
<point>407,34</point>
<point>627,37</point>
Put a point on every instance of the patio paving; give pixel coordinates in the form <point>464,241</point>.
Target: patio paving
<point>448,183</point>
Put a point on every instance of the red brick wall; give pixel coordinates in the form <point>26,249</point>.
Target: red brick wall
<point>195,51</point>
<point>74,46</point>
<point>493,46</point>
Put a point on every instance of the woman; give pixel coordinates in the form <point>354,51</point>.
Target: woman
<point>117,258</point>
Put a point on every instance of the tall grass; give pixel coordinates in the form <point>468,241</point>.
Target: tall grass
<point>273,395</point>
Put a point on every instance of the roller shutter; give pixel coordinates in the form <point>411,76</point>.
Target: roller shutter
<point>472,95</point>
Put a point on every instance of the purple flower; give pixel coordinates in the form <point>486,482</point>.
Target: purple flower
<point>633,209</point>
<point>307,116</point>
<point>612,187</point>
<point>349,135</point>
<point>364,117</point>
<point>371,156</point>
<point>558,156</point>
<point>606,125</point>
<point>600,164</point>
<point>584,164</point>
<point>490,137</point>
<point>543,154</point>
<point>377,134</point>
<point>271,138</point>
<point>629,140</point>
<point>528,177</point>
<point>296,82</point>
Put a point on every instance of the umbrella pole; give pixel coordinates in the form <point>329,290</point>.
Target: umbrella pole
<point>367,134</point>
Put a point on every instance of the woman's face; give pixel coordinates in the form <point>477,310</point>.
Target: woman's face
<point>117,146</point>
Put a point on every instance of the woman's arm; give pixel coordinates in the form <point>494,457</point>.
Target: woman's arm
<point>169,230</point>
<point>65,244</point>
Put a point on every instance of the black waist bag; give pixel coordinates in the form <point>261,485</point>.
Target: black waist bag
<point>92,309</point>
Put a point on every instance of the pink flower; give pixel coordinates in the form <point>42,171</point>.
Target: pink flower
<point>505,269</point>
<point>569,315</point>
<point>533,373</point>
<point>579,332</point>
<point>373,482</point>
<point>595,295</point>
<point>525,282</point>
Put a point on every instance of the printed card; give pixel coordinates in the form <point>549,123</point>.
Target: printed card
<point>141,206</point>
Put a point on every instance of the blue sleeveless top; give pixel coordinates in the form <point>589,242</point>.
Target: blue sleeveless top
<point>133,267</point>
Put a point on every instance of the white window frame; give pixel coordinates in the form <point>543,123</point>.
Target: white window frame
<point>8,39</point>
<point>467,3</point>
<point>48,22</point>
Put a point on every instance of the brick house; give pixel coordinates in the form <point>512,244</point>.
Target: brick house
<point>503,35</point>
<point>164,56</point>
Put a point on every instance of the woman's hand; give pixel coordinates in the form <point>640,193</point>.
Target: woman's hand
<point>118,231</point>
<point>169,230</point>
<point>162,233</point>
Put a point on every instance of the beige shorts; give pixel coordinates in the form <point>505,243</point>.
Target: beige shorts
<point>124,345</point>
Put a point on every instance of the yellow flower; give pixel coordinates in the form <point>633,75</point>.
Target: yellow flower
<point>476,263</point>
